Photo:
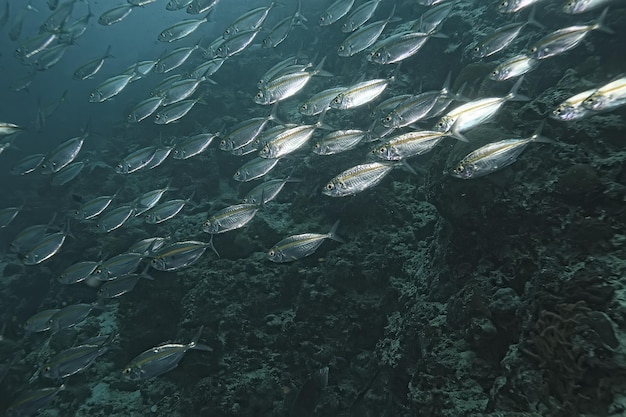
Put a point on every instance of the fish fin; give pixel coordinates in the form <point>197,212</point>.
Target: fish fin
<point>194,341</point>
<point>513,94</point>
<point>203,347</point>
<point>212,246</point>
<point>332,234</point>
<point>532,21</point>
<point>455,133</point>
<point>599,23</point>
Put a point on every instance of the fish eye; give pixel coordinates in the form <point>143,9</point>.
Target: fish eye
<point>316,146</point>
<point>271,252</point>
<point>558,110</point>
<point>330,186</point>
<point>259,95</point>
<point>341,47</point>
<point>304,107</point>
<point>377,54</point>
<point>382,150</point>
<point>476,49</point>
<point>92,95</point>
<point>459,169</point>
<point>238,173</point>
<point>533,49</point>
<point>337,100</point>
<point>47,369</point>
<point>126,371</point>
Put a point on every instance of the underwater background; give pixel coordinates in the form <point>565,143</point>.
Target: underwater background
<point>418,293</point>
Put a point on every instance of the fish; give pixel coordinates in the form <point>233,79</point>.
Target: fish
<point>582,6</point>
<point>29,402</point>
<point>175,111</point>
<point>398,47</point>
<point>117,266</point>
<point>182,29</point>
<point>40,321</point>
<point>358,178</point>
<point>246,132</point>
<point>608,97</point>
<point>144,109</point>
<point>29,237</point>
<point>289,140</point>
<point>360,93</point>
<point>165,211</point>
<point>45,249</point>
<point>408,145</point>
<point>335,11</point>
<point>254,169</point>
<point>563,40</point>
<point>115,218</point>
<point>77,272</point>
<point>35,45</point>
<point>230,218</point>
<point>140,2</point>
<point>573,108</point>
<point>150,199</point>
<point>339,141</point>
<point>177,4</point>
<point>235,44</point>
<point>15,30</point>
<point>67,173</point>
<point>250,21</point>
<point>201,6</point>
<point>502,37</point>
<point>514,67</point>
<point>360,16</point>
<point>110,88</point>
<point>494,156</point>
<point>92,208</point>
<point>364,37</point>
<point>7,129</point>
<point>180,90</point>
<point>120,286</point>
<point>28,164</point>
<point>297,247</point>
<point>8,214</point>
<point>91,68</point>
<point>178,255</point>
<point>207,68</point>
<point>62,155</point>
<point>70,316</point>
<point>160,155</point>
<point>140,70</point>
<point>136,160</point>
<point>147,247</point>
<point>279,69</point>
<point>50,56</point>
<point>266,191</point>
<point>281,30</point>
<point>474,113</point>
<point>514,6</point>
<point>433,18</point>
<point>72,31</point>
<point>116,14</point>
<point>160,359</point>
<point>320,101</point>
<point>74,360</point>
<point>174,59</point>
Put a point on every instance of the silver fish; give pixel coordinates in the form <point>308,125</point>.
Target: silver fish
<point>433,17</point>
<point>492,157</point>
<point>192,145</point>
<point>360,16</point>
<point>398,47</point>
<point>140,69</point>
<point>357,179</point>
<point>73,360</point>
<point>47,247</point>
<point>110,88</point>
<point>29,237</point>
<point>118,266</point>
<point>174,59</point>
<point>182,29</point>
<point>336,11</point>
<point>607,97</point>
<point>28,164</point>
<point>501,38</point>
<point>245,132</point>
<point>254,169</point>
<point>285,86</point>
<point>161,359</point>
<point>207,68</point>
<point>120,286</point>
<point>77,272</point>
<point>582,6</point>
<point>144,109</point>
<point>29,402</point>
<point>114,219</point>
<point>147,247</point>
<point>136,160</point>
<point>67,173</point>
<point>562,40</point>
<point>339,141</point>
<point>249,21</point>
<point>235,44</point>
<point>178,255</point>
<point>364,37</point>
<point>297,247</point>
<point>62,155</point>
<point>35,45</point>
<point>573,108</point>
<point>276,69</point>
<point>319,102</point>
<point>513,6</point>
<point>230,218</point>
<point>246,149</point>
<point>414,108</point>
<point>55,20</point>
<point>360,93</point>
<point>7,215</point>
<point>140,2</point>
<point>514,67</point>
<point>116,14</point>
<point>408,145</point>
<point>177,4</point>
<point>92,208</point>
<point>92,67</point>
<point>160,155</point>
<point>40,321</point>
<point>165,211</point>
<point>175,111</point>
<point>149,199</point>
<point>7,129</point>
<point>50,57</point>
<point>201,6</point>
<point>72,31</point>
<point>70,316</point>
<point>181,90</point>
<point>288,140</point>
<point>266,191</point>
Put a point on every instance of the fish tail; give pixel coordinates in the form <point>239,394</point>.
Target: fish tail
<point>532,21</point>
<point>514,95</point>
<point>332,234</point>
<point>599,24</point>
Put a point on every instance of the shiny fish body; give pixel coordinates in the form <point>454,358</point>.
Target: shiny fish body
<point>92,208</point>
<point>67,173</point>
<point>50,57</point>
<point>498,40</point>
<point>244,133</point>
<point>28,238</point>
<point>276,69</point>
<point>116,14</point>
<point>162,87</point>
<point>411,110</point>
<point>70,316</point>
<point>297,247</point>
<point>115,218</point>
<point>287,141</point>
<point>140,2</point>
<point>336,11</point>
<point>201,6</point>
<point>433,17</point>
<point>573,108</point>
<point>45,249</point>
<point>178,255</point>
<point>174,59</point>
<point>174,112</point>
<point>246,149</point>
<point>7,215</point>
<point>29,402</point>
<point>339,141</point>
<point>398,47</point>
<point>9,128</point>
<point>607,97</point>
<point>110,88</point>
<point>249,21</point>
<point>28,164</point>
<point>514,67</point>
<point>92,67</point>
<point>266,191</point>
<point>140,70</point>
<point>177,4</point>
<point>164,211</point>
<point>582,6</point>
<point>159,360</point>
<point>360,93</point>
<point>148,200</point>
<point>180,90</point>
<point>62,155</point>
<point>181,29</point>
<point>362,39</point>
<point>192,145</point>
<point>408,145</point>
<point>55,20</point>
<point>319,102</point>
<point>230,218</point>
<point>207,68</point>
<point>77,272</point>
<point>117,266</point>
<point>357,179</point>
<point>388,105</point>
<point>279,33</point>
<point>144,109</point>
<point>73,360</point>
<point>118,287</point>
<point>147,247</point>
<point>360,16</point>
<point>514,6</point>
<point>283,87</point>
<point>254,169</point>
<point>160,155</point>
<point>232,46</point>
<point>40,321</point>
<point>490,158</point>
<point>135,160</point>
